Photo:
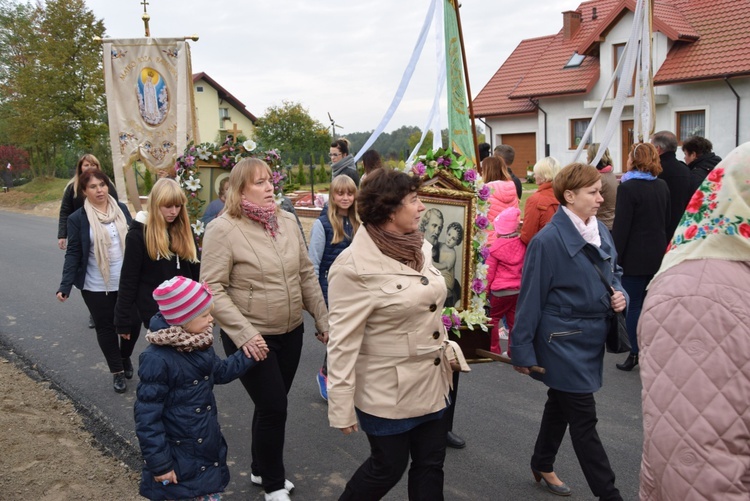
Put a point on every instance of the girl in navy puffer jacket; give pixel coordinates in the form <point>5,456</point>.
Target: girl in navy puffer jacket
<point>184,452</point>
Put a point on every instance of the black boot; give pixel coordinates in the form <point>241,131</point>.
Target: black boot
<point>629,363</point>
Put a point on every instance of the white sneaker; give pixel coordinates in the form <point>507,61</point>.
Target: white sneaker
<point>280,495</point>
<point>258,480</point>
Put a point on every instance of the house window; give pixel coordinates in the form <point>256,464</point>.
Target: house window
<point>199,88</point>
<point>575,60</point>
<point>577,130</point>
<point>223,117</point>
<point>690,123</point>
<point>618,50</point>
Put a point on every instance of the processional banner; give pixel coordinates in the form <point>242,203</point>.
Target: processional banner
<point>150,106</point>
<point>460,134</point>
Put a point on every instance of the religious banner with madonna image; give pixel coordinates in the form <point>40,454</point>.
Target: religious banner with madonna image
<point>149,102</point>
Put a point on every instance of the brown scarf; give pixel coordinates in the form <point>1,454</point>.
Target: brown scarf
<point>264,215</point>
<point>406,249</point>
<point>181,340</point>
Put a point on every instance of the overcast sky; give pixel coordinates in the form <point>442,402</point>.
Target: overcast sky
<point>343,58</point>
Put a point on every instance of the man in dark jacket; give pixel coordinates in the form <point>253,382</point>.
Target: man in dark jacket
<point>508,154</point>
<point>700,159</point>
<point>677,176</point>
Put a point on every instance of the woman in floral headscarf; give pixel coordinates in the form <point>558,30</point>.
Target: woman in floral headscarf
<point>694,335</point>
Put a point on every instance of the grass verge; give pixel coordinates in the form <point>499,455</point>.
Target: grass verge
<point>37,191</point>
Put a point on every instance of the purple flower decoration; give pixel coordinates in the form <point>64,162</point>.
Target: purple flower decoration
<point>441,161</point>
<point>418,169</point>
<point>484,192</point>
<point>189,160</point>
<point>477,286</point>
<point>482,222</point>
<point>277,177</point>
<point>470,175</point>
<point>456,319</point>
<point>447,322</point>
<point>225,160</point>
<point>484,251</point>
<point>447,162</point>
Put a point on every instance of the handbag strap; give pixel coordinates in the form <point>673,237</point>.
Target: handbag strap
<point>587,249</point>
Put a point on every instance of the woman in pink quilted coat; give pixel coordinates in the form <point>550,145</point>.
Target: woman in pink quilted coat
<point>694,337</point>
<point>503,191</point>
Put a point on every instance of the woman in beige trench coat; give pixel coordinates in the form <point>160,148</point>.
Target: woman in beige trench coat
<point>390,363</point>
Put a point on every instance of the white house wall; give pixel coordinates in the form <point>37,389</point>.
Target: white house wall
<point>715,97</point>
<point>511,125</point>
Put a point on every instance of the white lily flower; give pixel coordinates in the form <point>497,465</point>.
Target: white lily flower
<point>193,184</point>
<point>203,153</point>
<point>278,198</point>
<point>249,145</point>
<point>198,227</point>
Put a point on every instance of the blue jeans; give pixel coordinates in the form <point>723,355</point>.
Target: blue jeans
<point>635,286</point>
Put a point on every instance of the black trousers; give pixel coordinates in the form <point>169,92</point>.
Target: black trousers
<point>451,410</point>
<point>101,305</point>
<point>389,456</point>
<point>268,385</point>
<point>577,411</point>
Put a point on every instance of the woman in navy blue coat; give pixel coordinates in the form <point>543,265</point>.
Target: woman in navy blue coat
<point>93,260</point>
<point>564,313</point>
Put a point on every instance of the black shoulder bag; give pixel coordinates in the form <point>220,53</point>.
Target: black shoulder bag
<point>617,335</point>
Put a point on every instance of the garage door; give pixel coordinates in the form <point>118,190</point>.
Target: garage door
<point>525,146</point>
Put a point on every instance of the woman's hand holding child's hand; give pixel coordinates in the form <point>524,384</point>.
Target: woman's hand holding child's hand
<point>256,348</point>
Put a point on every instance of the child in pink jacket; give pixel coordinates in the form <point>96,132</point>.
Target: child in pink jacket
<point>504,273</point>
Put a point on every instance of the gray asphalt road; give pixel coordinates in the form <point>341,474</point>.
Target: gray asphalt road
<point>498,410</point>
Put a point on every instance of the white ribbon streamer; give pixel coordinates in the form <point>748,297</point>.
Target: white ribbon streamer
<point>625,68</point>
<point>433,119</point>
<point>405,79</point>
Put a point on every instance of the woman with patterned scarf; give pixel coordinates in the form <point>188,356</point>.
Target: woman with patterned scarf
<point>93,260</point>
<point>390,364</point>
<point>695,347</point>
<point>255,261</point>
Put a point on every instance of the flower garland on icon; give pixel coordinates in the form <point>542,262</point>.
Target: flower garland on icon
<point>226,156</point>
<point>427,166</point>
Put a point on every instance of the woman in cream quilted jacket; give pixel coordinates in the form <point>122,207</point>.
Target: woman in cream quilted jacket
<point>694,337</point>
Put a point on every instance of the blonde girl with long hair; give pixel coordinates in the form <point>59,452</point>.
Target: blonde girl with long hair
<point>332,233</point>
<point>159,246</point>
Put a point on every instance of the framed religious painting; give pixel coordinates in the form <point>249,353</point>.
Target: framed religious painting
<point>448,225</point>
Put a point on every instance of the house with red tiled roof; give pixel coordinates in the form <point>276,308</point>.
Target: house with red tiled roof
<point>218,112</point>
<point>542,98</point>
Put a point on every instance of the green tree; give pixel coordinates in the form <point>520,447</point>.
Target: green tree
<point>426,144</point>
<point>301,178</point>
<point>52,92</point>
<point>292,130</point>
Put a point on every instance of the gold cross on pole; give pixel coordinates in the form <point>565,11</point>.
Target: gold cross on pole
<point>146,18</point>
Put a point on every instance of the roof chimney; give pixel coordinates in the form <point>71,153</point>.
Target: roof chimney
<point>571,23</point>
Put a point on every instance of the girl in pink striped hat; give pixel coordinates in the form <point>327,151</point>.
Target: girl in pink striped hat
<point>184,452</point>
